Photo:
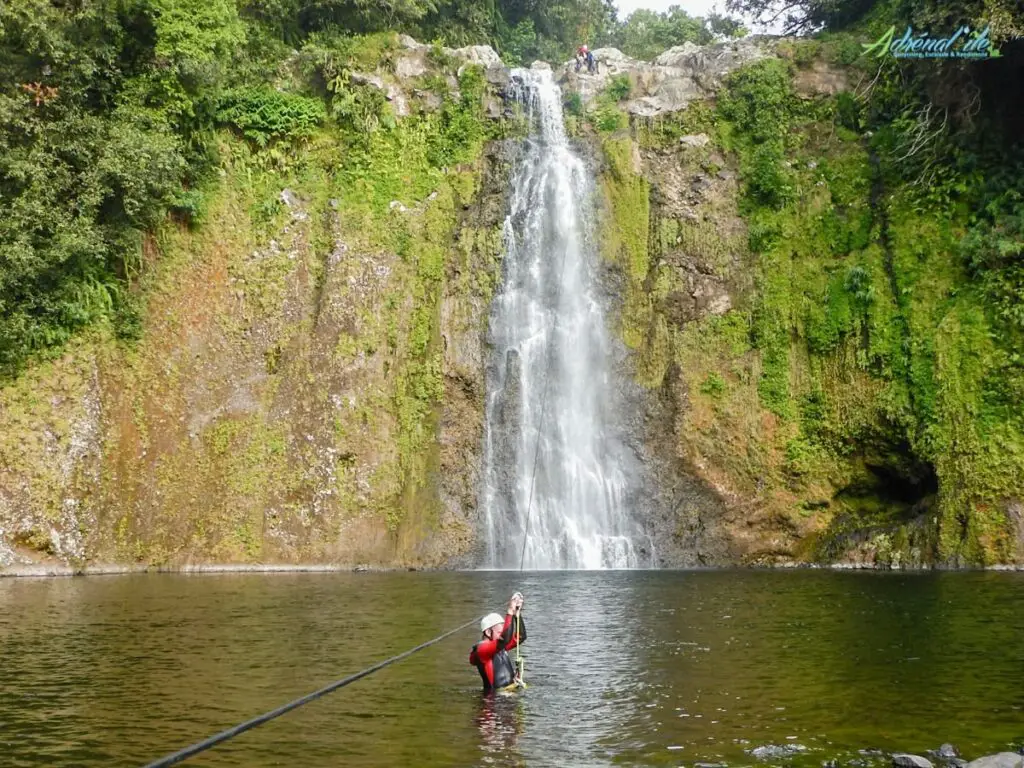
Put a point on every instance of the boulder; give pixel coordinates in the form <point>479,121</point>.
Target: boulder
<point>1000,760</point>
<point>483,55</point>
<point>410,44</point>
<point>903,760</point>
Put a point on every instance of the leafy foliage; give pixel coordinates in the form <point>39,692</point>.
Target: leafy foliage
<point>801,16</point>
<point>102,115</point>
<point>263,114</point>
<point>619,87</point>
<point>646,33</point>
<point>760,99</point>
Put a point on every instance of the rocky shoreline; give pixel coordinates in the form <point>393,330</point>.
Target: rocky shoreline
<point>946,756</point>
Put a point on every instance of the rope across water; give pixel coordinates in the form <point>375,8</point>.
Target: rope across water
<point>230,733</point>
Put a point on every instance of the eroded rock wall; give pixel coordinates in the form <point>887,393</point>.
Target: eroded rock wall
<point>309,382</point>
<point>809,350</point>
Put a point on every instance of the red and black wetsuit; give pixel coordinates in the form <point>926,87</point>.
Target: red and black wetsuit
<point>491,656</point>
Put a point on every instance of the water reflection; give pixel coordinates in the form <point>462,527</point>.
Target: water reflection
<point>639,669</point>
<point>500,721</point>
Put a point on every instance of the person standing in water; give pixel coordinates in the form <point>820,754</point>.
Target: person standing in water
<point>490,655</point>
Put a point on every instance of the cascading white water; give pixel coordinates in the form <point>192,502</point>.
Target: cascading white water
<point>550,377</point>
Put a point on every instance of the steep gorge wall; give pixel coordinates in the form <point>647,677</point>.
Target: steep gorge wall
<point>309,382</point>
<point>812,349</point>
<point>811,378</point>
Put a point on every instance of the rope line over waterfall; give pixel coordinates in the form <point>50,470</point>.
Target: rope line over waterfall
<point>551,391</point>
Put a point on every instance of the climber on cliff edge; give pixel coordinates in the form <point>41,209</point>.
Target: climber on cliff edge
<point>585,56</point>
<point>500,635</point>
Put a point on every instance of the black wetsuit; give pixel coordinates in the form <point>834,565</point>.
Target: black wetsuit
<point>491,658</point>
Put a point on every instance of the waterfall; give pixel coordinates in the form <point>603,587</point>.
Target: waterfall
<point>549,392</point>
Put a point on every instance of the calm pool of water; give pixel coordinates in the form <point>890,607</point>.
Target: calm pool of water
<point>641,668</point>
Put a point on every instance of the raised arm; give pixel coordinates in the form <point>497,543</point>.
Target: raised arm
<point>515,632</point>
<point>515,629</point>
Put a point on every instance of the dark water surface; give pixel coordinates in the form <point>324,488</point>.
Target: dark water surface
<point>640,668</point>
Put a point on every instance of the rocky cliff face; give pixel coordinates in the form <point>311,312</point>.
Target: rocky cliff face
<point>309,385</point>
<point>804,381</point>
<point>789,321</point>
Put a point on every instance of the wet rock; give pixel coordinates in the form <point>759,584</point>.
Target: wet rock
<point>1000,760</point>
<point>497,75</point>
<point>1015,518</point>
<point>904,760</point>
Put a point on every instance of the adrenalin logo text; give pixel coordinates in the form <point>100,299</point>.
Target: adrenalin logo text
<point>962,44</point>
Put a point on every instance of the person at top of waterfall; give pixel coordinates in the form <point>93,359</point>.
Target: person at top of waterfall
<point>499,636</point>
<point>582,54</point>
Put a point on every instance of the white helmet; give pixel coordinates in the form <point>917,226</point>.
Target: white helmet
<point>490,620</point>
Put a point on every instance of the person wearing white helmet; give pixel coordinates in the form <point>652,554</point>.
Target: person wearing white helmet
<point>499,636</point>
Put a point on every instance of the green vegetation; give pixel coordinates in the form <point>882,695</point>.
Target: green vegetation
<point>175,170</point>
<point>863,380</point>
<point>865,390</point>
<point>263,115</point>
<point>108,118</point>
<point>645,33</point>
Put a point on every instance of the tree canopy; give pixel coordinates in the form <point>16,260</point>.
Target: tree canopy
<point>108,110</point>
